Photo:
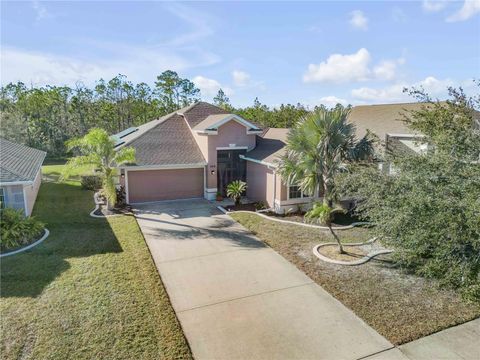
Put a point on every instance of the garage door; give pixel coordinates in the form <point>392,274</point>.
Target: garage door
<point>157,185</point>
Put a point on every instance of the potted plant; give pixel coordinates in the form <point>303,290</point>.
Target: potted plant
<point>219,196</point>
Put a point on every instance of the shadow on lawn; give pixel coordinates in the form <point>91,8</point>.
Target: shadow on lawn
<point>64,208</point>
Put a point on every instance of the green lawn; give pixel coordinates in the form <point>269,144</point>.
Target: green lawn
<point>89,291</point>
<point>401,307</point>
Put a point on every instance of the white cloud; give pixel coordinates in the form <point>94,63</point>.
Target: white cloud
<point>340,68</point>
<point>434,5</point>
<point>198,22</point>
<point>331,101</point>
<point>358,20</point>
<point>240,78</point>
<point>387,70</point>
<point>468,10</point>
<point>394,93</point>
<point>138,63</point>
<point>40,10</point>
<point>209,87</point>
<point>398,15</point>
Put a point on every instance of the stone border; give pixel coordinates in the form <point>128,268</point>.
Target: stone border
<point>28,247</point>
<point>98,203</point>
<point>346,227</point>
<point>361,261</point>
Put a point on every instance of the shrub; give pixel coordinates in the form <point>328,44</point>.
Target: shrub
<point>235,190</point>
<point>260,205</point>
<point>17,230</point>
<point>91,182</point>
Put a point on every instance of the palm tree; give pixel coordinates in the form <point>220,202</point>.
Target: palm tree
<point>324,214</point>
<point>235,190</point>
<point>317,149</point>
<point>98,149</point>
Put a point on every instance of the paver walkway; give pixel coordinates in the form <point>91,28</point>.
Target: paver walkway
<point>238,299</point>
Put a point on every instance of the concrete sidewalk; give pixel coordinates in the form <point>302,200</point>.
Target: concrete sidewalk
<point>238,299</point>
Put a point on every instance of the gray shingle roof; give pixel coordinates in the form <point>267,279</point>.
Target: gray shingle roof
<point>196,113</point>
<point>19,162</point>
<point>270,145</point>
<point>169,141</point>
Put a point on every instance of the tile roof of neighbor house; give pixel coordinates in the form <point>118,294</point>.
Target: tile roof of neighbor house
<point>270,145</point>
<point>19,162</point>
<point>382,119</point>
<point>168,141</point>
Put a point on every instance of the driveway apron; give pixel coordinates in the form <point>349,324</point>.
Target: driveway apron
<point>237,298</point>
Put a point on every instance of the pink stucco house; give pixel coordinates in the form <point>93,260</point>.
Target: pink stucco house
<point>196,151</point>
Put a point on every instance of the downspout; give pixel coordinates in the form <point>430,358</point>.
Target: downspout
<point>274,187</point>
<point>272,208</point>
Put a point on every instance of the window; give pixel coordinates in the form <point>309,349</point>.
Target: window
<point>2,198</point>
<point>294,192</point>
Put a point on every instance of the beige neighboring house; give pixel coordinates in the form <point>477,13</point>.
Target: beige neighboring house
<point>20,175</point>
<point>196,151</point>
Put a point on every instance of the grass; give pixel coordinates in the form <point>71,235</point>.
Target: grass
<point>53,171</point>
<point>400,307</point>
<point>89,291</point>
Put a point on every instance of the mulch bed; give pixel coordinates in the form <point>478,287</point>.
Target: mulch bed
<point>340,219</point>
<point>244,207</point>
<point>104,211</point>
<point>352,253</point>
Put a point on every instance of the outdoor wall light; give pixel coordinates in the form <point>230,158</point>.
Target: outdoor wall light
<point>212,172</point>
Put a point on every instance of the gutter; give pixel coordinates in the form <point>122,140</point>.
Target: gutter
<point>16,183</point>
<point>269,165</point>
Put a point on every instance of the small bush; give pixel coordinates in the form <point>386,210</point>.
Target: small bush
<point>235,190</point>
<point>260,205</point>
<point>91,182</point>
<point>17,230</point>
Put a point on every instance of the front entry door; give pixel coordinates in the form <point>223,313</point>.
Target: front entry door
<point>229,168</point>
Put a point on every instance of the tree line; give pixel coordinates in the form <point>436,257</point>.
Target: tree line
<point>45,117</point>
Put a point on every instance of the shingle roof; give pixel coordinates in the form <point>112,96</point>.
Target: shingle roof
<point>167,140</point>
<point>19,162</point>
<point>270,145</point>
<point>382,119</point>
<point>199,111</point>
<point>211,122</point>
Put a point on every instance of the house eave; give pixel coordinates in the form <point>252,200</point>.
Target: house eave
<point>261,162</point>
<point>163,166</point>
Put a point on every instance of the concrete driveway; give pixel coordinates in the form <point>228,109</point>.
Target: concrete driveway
<point>238,299</point>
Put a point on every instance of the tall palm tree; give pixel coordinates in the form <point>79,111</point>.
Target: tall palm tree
<point>318,147</point>
<point>98,149</point>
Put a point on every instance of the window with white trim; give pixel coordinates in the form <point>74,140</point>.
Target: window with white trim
<point>294,192</point>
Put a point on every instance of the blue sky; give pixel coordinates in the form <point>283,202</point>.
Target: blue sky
<point>313,52</point>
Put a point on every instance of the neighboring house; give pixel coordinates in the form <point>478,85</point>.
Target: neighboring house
<point>385,121</point>
<point>196,151</point>
<point>20,175</point>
